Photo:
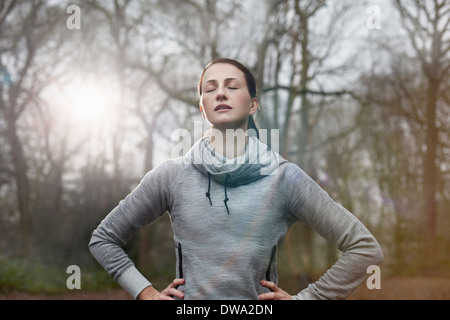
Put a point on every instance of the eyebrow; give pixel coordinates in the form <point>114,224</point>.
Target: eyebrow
<point>226,80</point>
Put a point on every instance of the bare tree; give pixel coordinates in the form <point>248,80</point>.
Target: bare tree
<point>427,25</point>
<point>24,35</point>
<point>408,135</point>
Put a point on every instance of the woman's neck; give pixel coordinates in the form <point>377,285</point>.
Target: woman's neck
<point>230,142</point>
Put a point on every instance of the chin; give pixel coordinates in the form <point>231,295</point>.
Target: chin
<point>223,124</point>
<point>228,126</point>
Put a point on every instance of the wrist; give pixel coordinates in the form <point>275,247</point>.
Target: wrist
<point>149,293</point>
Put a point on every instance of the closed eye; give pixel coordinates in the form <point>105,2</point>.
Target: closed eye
<point>209,88</point>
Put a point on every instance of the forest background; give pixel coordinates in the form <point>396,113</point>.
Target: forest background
<point>93,94</point>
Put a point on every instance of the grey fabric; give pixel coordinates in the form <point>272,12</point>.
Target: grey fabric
<point>224,248</point>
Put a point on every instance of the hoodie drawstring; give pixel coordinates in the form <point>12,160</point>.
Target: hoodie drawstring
<point>208,194</point>
<point>226,197</point>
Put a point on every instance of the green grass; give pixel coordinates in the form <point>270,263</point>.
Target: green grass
<point>28,276</point>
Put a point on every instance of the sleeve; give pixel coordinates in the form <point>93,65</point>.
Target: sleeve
<point>145,204</point>
<point>309,203</point>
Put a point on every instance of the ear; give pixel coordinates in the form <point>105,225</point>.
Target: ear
<point>255,106</point>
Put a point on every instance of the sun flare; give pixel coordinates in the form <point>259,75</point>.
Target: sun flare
<point>89,102</point>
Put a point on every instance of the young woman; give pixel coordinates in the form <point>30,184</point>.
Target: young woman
<point>231,200</point>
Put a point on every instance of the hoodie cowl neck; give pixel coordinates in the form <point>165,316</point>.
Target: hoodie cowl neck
<point>256,162</point>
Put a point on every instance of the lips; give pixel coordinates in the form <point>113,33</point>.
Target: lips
<point>222,107</point>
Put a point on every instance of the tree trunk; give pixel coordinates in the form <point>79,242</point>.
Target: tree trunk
<point>23,185</point>
<point>430,174</point>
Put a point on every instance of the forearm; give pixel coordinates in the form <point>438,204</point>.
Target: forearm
<point>341,279</point>
<point>360,250</point>
<point>106,246</point>
<point>313,206</point>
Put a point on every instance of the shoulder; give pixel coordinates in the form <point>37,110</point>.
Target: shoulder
<point>174,164</point>
<point>292,172</point>
<point>167,170</point>
<point>297,183</point>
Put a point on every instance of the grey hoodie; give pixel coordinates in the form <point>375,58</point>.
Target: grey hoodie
<point>229,217</point>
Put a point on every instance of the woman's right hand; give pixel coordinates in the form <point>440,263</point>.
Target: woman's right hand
<point>168,293</point>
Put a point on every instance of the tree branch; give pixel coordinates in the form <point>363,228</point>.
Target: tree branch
<point>308,91</point>
<point>5,7</point>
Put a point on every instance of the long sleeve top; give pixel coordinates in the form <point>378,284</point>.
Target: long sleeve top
<point>229,217</point>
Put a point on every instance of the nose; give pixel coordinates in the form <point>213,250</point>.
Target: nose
<point>221,95</point>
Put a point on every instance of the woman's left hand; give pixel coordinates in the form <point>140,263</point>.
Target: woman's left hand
<point>276,294</point>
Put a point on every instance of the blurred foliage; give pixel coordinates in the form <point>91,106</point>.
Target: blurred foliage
<point>34,277</point>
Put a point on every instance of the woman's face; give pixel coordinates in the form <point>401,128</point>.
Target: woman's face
<point>225,100</point>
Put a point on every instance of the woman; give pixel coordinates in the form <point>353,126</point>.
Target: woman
<point>231,200</point>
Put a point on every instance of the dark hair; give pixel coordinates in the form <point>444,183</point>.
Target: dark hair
<point>249,79</point>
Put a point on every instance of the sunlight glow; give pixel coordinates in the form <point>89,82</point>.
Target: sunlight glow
<point>89,102</point>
